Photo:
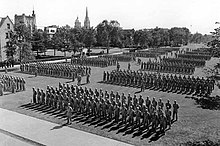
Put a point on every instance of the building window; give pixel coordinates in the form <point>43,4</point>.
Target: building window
<point>8,25</point>
<point>7,36</point>
<point>52,30</point>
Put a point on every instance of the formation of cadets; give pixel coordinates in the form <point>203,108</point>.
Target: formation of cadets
<point>7,64</point>
<point>168,67</point>
<point>120,57</point>
<point>94,61</point>
<point>142,54</point>
<point>195,56</point>
<point>61,70</point>
<point>132,111</point>
<point>154,81</point>
<point>196,52</point>
<point>151,53</point>
<point>12,84</point>
<point>194,62</point>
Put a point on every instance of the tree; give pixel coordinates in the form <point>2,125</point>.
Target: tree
<point>179,36</point>
<point>39,41</point>
<point>76,39</point>
<point>127,37</point>
<point>108,33</point>
<point>88,38</point>
<point>20,44</point>
<point>215,43</point>
<point>11,46</point>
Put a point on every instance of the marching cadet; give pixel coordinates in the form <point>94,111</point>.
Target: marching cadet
<point>17,84</point>
<point>38,96</point>
<point>110,110</point>
<point>1,88</point>
<point>129,66</point>
<point>162,121</point>
<point>154,121</point>
<point>124,113</point>
<point>34,95</point>
<point>135,101</point>
<point>6,69</point>
<point>88,79</point>
<point>175,111</point>
<point>159,112</point>
<point>13,85</point>
<point>168,117</point>
<point>79,80</point>
<point>142,87</point>
<point>140,101</point>
<point>118,66</point>
<point>138,118</point>
<point>123,99</point>
<point>154,103</point>
<point>147,102</point>
<point>104,76</point>
<point>146,117</point>
<point>43,96</point>
<point>69,111</point>
<point>98,107</point>
<point>36,71</point>
<point>130,116</point>
<point>151,110</point>
<point>168,105</point>
<point>93,107</point>
<point>23,84</point>
<point>87,107</point>
<point>117,113</point>
<point>160,104</point>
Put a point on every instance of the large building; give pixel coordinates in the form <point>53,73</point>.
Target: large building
<point>6,29</point>
<point>28,21</point>
<point>77,23</point>
<point>86,22</point>
<point>51,30</point>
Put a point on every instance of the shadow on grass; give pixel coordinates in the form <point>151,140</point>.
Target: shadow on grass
<point>156,136</point>
<point>32,76</point>
<point>211,103</point>
<point>59,126</point>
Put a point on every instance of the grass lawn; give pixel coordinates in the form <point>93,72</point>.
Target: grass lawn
<point>194,123</point>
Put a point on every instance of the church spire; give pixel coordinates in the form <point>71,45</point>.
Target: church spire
<point>86,21</point>
<point>86,12</point>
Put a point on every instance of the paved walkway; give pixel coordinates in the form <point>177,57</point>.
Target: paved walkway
<point>21,130</point>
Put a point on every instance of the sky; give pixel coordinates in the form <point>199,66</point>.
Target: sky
<point>197,15</point>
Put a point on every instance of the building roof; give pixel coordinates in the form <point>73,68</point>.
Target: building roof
<point>2,19</point>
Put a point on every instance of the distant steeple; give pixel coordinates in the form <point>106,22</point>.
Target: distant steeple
<point>77,23</point>
<point>86,21</point>
<point>86,12</point>
<point>33,14</point>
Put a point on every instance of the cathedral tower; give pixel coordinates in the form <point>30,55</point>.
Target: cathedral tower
<point>86,21</point>
<point>77,23</point>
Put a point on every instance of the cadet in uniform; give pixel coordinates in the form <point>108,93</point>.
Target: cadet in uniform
<point>175,111</point>
<point>69,111</point>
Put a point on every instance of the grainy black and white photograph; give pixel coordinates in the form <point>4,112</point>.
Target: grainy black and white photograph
<point>109,73</point>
